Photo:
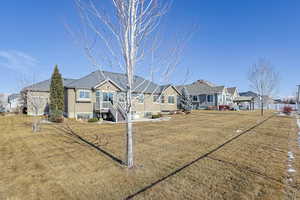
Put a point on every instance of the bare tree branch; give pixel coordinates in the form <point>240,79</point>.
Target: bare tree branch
<point>263,79</point>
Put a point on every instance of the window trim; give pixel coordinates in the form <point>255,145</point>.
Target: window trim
<point>173,99</point>
<point>108,95</point>
<point>212,98</point>
<point>196,98</point>
<point>83,99</point>
<point>84,113</point>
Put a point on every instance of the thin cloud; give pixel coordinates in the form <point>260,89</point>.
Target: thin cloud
<point>17,61</point>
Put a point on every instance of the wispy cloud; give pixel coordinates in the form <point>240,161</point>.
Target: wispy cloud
<point>17,61</point>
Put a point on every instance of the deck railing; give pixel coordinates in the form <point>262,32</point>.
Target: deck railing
<point>115,109</point>
<point>102,105</point>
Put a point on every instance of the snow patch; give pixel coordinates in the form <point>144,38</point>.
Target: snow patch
<point>45,121</point>
<point>281,114</point>
<point>291,156</point>
<point>291,170</point>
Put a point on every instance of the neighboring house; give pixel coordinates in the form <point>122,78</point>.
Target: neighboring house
<point>205,94</point>
<point>249,94</point>
<point>233,92</point>
<point>15,103</point>
<point>37,96</point>
<point>4,102</point>
<point>102,94</point>
<point>257,99</point>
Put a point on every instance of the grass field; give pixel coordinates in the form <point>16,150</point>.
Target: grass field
<point>53,164</point>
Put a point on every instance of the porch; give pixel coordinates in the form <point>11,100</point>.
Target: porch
<point>245,103</point>
<point>110,106</point>
<point>204,101</point>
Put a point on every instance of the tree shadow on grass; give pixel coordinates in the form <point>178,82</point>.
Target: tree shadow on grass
<point>70,133</point>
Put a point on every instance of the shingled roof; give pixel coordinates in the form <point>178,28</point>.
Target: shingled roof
<point>200,87</point>
<point>232,90</point>
<point>249,94</point>
<point>44,86</point>
<point>97,77</point>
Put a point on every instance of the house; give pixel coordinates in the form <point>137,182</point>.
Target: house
<point>15,102</point>
<point>257,99</point>
<point>204,94</point>
<point>102,94</point>
<point>234,94</point>
<point>249,94</point>
<point>4,102</point>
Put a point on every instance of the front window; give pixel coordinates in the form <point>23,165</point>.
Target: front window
<point>162,98</point>
<point>140,98</point>
<point>84,94</point>
<point>155,98</point>
<point>108,96</point>
<point>209,98</point>
<point>195,98</point>
<point>171,99</point>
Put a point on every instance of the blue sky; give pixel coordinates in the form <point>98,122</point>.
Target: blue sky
<point>232,35</point>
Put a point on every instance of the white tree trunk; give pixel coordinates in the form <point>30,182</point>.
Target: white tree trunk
<point>130,58</point>
<point>35,125</point>
<point>129,140</point>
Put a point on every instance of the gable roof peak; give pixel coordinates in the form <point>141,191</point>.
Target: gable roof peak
<point>232,90</point>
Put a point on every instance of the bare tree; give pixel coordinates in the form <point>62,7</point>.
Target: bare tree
<point>35,101</point>
<point>264,80</point>
<point>126,37</point>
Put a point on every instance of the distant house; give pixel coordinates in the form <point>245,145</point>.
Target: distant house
<point>15,103</point>
<point>257,99</point>
<point>234,93</point>
<point>205,94</point>
<point>102,94</point>
<point>249,94</point>
<point>4,102</point>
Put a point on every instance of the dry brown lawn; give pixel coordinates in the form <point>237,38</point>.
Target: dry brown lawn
<point>52,164</point>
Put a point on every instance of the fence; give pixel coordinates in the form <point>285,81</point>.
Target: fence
<point>279,107</point>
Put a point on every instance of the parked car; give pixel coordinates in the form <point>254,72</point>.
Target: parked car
<point>224,107</point>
